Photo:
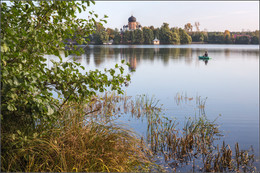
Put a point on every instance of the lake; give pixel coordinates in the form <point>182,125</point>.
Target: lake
<point>228,83</point>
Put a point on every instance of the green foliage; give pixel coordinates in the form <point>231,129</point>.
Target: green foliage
<point>255,40</point>
<point>175,38</point>
<point>184,37</point>
<point>148,35</point>
<point>117,38</point>
<point>166,35</point>
<point>30,30</point>
<point>169,36</point>
<point>132,37</point>
<point>126,37</point>
<point>139,38</point>
<point>216,38</point>
<point>226,37</point>
<point>111,33</point>
<point>175,30</point>
<point>198,37</point>
<point>242,39</point>
<point>101,35</point>
<point>156,33</point>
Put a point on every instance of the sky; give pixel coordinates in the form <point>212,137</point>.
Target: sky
<point>212,15</point>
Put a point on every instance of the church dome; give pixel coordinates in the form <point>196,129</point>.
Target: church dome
<point>132,19</point>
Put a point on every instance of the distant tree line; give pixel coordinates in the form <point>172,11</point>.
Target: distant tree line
<point>173,35</point>
<point>226,37</point>
<point>146,35</point>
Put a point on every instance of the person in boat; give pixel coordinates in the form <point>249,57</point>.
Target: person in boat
<point>206,54</point>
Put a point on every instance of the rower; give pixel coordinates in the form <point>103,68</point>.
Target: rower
<point>206,54</point>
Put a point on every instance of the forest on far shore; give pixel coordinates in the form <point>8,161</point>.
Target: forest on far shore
<point>173,35</point>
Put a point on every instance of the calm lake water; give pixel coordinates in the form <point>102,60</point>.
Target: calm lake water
<point>229,82</point>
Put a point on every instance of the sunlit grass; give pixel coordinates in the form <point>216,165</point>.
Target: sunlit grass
<point>80,142</point>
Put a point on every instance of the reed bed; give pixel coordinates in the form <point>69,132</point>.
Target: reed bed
<point>194,146</point>
<point>86,138</point>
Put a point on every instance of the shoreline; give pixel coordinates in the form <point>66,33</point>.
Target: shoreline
<point>193,43</point>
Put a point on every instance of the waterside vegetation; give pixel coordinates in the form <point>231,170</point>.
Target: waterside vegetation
<point>88,137</point>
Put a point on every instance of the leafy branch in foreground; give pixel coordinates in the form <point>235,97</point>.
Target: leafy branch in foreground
<point>30,30</point>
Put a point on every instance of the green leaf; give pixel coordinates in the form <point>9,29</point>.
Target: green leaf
<point>4,48</point>
<point>84,7</point>
<point>83,68</point>
<point>19,132</point>
<point>15,81</point>
<point>4,62</point>
<point>50,110</point>
<point>121,70</point>
<point>11,107</point>
<point>79,9</point>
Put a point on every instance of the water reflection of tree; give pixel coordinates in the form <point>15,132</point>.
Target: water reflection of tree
<point>186,53</point>
<point>117,53</point>
<point>149,54</point>
<point>165,55</point>
<point>246,53</point>
<point>87,54</point>
<point>99,54</point>
<point>136,55</point>
<point>227,53</point>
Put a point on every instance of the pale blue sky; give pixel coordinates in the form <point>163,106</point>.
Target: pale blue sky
<point>212,15</point>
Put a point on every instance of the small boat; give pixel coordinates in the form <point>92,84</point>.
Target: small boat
<point>204,57</point>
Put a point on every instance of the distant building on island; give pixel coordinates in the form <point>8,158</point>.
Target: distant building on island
<point>156,41</point>
<point>132,25</point>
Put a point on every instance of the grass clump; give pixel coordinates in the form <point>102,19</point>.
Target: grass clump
<point>76,144</point>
